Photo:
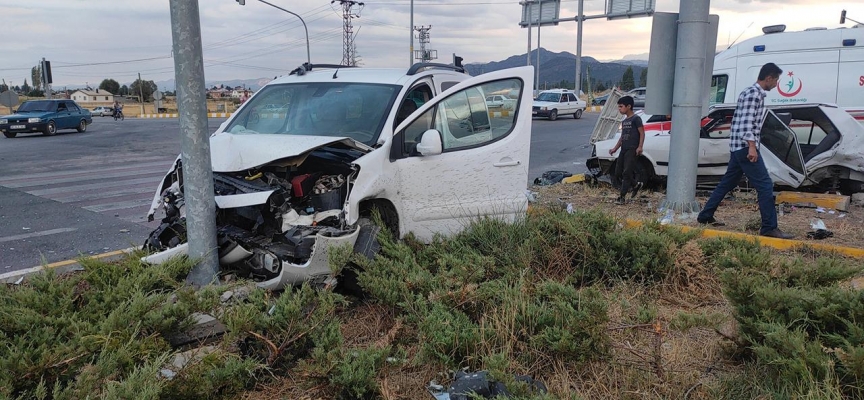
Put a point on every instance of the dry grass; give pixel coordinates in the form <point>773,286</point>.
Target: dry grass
<point>740,214</point>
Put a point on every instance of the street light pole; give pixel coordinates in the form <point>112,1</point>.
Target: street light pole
<point>308,51</point>
<point>578,86</point>
<point>411,34</point>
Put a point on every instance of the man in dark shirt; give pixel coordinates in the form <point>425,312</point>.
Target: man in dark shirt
<point>630,143</point>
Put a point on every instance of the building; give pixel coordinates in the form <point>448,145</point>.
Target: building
<point>92,96</point>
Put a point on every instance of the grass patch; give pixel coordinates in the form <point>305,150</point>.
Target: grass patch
<point>591,309</point>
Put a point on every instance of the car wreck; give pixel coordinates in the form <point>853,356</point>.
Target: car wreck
<point>293,184</point>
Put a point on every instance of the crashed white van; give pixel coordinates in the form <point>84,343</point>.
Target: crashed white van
<point>299,167</point>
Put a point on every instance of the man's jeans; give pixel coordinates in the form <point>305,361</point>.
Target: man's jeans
<point>758,175</point>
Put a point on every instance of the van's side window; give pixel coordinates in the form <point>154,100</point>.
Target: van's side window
<point>718,89</point>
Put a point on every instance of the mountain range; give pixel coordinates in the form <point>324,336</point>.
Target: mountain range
<point>556,68</point>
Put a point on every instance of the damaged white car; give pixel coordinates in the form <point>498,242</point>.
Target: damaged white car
<point>420,147</point>
<point>805,146</point>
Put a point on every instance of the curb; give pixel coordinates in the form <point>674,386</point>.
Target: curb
<point>209,115</point>
<point>14,276</point>
<point>779,244</point>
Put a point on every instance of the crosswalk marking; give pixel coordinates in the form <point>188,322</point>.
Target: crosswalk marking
<point>115,187</point>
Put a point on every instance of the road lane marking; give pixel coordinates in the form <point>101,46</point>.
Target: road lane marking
<point>36,234</point>
<point>11,276</point>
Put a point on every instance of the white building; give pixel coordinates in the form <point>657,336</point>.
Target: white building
<point>93,96</point>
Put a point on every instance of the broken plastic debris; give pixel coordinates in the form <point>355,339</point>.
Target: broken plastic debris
<point>831,212</point>
<point>817,224</point>
<point>841,215</point>
<point>25,228</point>
<point>124,231</point>
<point>226,296</point>
<point>820,234</point>
<point>570,209</point>
<point>272,310</point>
<point>820,210</point>
<point>18,282</point>
<point>167,373</point>
<point>532,196</point>
<point>668,218</point>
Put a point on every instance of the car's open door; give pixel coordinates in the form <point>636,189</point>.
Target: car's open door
<point>780,152</point>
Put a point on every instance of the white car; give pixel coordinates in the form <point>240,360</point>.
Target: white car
<point>102,111</point>
<point>552,103</point>
<point>803,145</point>
<point>499,101</point>
<point>292,186</point>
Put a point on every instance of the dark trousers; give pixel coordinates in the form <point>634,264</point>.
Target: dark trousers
<point>757,174</point>
<point>625,169</point>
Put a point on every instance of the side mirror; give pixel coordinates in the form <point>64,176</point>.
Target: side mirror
<point>430,143</point>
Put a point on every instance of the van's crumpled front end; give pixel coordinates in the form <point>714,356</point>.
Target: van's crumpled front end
<point>276,222</point>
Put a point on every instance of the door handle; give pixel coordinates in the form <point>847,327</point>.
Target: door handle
<point>506,164</point>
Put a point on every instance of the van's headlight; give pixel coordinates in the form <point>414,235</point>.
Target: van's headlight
<point>34,120</point>
<point>543,108</point>
<point>3,121</point>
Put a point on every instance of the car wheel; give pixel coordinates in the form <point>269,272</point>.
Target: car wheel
<point>82,126</point>
<point>577,114</point>
<point>10,135</point>
<point>644,173</point>
<point>553,115</point>
<point>51,129</point>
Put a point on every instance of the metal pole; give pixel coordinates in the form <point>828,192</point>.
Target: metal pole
<point>194,142</point>
<point>141,92</point>
<point>687,107</point>
<point>308,52</point>
<point>530,14</point>
<point>578,86</point>
<point>411,33</point>
<point>537,70</point>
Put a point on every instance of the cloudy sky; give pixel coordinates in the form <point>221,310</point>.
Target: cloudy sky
<point>89,40</point>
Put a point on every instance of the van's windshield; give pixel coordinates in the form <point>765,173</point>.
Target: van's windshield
<point>354,110</point>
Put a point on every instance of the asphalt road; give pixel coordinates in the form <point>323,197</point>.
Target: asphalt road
<point>88,193</point>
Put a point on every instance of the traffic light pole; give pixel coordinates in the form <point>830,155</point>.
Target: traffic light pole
<point>194,142</point>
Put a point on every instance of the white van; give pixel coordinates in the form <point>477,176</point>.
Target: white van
<point>819,66</point>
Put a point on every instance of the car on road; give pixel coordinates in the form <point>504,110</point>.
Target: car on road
<point>806,146</point>
<point>46,116</point>
<point>552,103</point>
<point>600,100</point>
<point>500,101</point>
<point>638,95</point>
<point>419,147</point>
<point>103,111</point>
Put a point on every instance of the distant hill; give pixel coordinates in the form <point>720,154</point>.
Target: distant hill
<point>556,68</point>
<point>252,84</point>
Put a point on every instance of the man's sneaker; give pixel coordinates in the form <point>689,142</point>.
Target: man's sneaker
<point>777,233</point>
<point>636,188</point>
<point>710,221</point>
<point>620,201</point>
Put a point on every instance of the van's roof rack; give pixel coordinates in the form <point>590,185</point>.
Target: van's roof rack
<point>306,67</point>
<point>419,66</point>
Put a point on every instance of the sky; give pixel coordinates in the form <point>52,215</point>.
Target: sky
<point>90,40</point>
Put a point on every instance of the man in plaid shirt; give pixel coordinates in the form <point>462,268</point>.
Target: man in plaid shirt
<point>744,159</point>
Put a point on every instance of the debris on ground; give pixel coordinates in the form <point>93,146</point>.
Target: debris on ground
<point>480,384</point>
<point>551,177</point>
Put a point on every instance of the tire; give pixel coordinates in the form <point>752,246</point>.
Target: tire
<point>553,115</point>
<point>10,135</point>
<point>577,114</point>
<point>51,129</point>
<point>644,173</point>
<point>82,126</point>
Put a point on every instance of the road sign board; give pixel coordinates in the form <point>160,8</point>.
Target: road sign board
<point>616,9</point>
<point>157,95</point>
<point>542,12</point>
<point>9,98</point>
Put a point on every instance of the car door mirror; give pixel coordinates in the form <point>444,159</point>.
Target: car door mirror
<point>430,143</point>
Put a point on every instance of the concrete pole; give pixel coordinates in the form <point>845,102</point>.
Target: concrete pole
<point>194,142</point>
<point>141,92</point>
<point>579,16</point>
<point>687,107</point>
<point>530,12</point>
<point>411,33</point>
<point>537,70</point>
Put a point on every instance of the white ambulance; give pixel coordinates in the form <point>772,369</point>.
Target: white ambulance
<point>819,65</point>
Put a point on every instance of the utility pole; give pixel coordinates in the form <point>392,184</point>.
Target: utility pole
<point>194,142</point>
<point>530,12</point>
<point>141,92</point>
<point>349,49</point>
<point>425,55</point>
<point>687,106</point>
<point>537,69</point>
<point>579,17</point>
<point>411,34</point>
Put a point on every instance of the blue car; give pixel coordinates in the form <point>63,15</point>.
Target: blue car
<point>46,116</point>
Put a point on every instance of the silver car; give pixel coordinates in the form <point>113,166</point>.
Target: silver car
<point>102,111</point>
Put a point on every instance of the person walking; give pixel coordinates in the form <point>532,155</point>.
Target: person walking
<point>744,157</point>
<point>630,143</point>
